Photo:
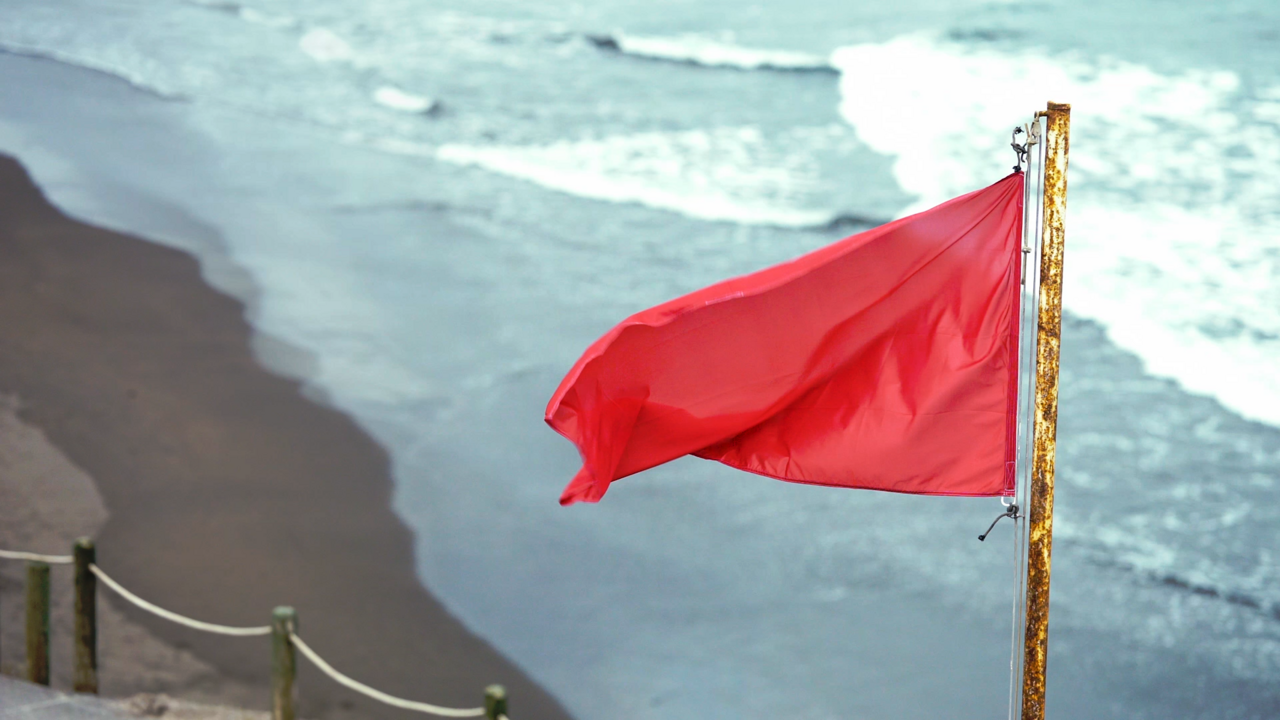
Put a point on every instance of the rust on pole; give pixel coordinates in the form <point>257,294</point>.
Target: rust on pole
<point>38,623</point>
<point>1040,543</point>
<point>86,630</point>
<point>284,662</point>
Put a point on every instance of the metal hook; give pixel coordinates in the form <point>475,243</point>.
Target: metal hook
<point>1020,149</point>
<point>1010,512</point>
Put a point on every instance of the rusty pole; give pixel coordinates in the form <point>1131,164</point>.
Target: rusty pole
<point>1040,544</point>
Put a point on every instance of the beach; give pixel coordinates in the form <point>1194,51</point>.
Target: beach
<point>212,486</point>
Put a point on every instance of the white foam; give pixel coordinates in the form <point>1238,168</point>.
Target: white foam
<point>711,53</point>
<point>397,99</point>
<point>1173,243</point>
<point>258,17</point>
<point>726,174</point>
<point>146,82</point>
<point>325,46</point>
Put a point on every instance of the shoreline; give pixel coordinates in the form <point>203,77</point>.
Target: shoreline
<point>226,490</point>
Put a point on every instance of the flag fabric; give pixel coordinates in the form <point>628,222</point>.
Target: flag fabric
<point>886,360</point>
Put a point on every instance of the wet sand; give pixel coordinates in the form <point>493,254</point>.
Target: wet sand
<point>227,491</point>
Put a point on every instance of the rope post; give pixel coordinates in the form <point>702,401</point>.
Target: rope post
<point>495,702</point>
<point>86,632</point>
<point>1040,544</point>
<point>284,662</point>
<point>38,623</point>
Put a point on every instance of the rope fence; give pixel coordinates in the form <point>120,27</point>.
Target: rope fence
<point>175,617</point>
<point>378,695</point>
<point>35,557</point>
<point>283,630</point>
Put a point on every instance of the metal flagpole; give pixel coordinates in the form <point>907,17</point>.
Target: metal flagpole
<point>1048,335</point>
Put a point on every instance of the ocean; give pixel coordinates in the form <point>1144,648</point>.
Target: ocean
<point>596,159</point>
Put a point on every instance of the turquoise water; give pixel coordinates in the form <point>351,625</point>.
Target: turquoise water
<point>595,160</point>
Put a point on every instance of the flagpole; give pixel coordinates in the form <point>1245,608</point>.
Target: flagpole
<point>1049,329</point>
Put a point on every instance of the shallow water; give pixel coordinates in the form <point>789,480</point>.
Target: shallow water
<point>596,160</point>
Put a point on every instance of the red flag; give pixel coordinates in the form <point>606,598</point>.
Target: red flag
<point>887,360</point>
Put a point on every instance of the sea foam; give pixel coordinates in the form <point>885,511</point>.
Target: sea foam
<point>147,82</point>
<point>698,50</point>
<point>262,18</point>
<point>1173,243</point>
<point>325,46</point>
<point>397,99</point>
<point>724,174</point>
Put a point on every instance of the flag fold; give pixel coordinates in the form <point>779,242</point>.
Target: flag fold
<point>886,360</point>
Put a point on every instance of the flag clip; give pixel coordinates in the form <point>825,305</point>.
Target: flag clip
<point>1010,511</point>
<point>1019,149</point>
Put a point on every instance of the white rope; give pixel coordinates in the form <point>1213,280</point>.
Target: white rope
<point>252,631</point>
<point>175,617</point>
<point>1024,545</point>
<point>360,687</point>
<point>1024,370</point>
<point>1024,485</point>
<point>1033,229</point>
<point>36,557</point>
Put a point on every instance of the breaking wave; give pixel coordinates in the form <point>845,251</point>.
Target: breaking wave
<point>1174,244</point>
<point>725,174</point>
<point>325,46</point>
<point>696,50</point>
<point>134,79</point>
<point>394,98</point>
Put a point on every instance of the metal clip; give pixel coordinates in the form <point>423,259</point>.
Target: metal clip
<point>1020,149</point>
<point>1010,512</point>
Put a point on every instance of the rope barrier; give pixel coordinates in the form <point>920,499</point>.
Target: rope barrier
<point>35,557</point>
<point>175,617</point>
<point>391,700</point>
<point>259,630</point>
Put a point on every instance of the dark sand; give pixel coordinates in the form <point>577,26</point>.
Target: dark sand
<point>227,491</point>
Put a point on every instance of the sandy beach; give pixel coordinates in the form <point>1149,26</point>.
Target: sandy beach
<point>134,411</point>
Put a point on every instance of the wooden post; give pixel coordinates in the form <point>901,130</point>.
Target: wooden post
<point>495,702</point>
<point>86,631</point>
<point>38,623</point>
<point>284,662</point>
<point>1040,543</point>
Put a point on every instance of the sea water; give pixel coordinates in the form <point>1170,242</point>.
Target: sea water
<point>594,159</point>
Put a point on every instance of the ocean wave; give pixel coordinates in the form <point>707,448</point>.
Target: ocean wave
<point>1234,597</point>
<point>1195,585</point>
<point>852,222</point>
<point>223,6</point>
<point>258,17</point>
<point>325,46</point>
<point>725,174</point>
<point>1172,245</point>
<point>396,99</point>
<point>696,50</point>
<point>137,81</point>
<point>247,14</point>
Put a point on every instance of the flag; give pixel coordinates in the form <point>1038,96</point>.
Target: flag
<point>886,360</point>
